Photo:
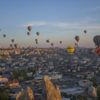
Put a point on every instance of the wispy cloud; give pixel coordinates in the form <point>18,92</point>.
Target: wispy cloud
<point>95,8</point>
<point>76,25</point>
<point>65,25</point>
<point>36,23</point>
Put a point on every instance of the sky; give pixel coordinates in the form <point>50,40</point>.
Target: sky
<point>56,20</point>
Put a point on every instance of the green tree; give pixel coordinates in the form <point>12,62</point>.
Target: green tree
<point>98,93</point>
<point>4,94</point>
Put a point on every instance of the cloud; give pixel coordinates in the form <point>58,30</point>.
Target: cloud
<point>95,8</point>
<point>76,25</point>
<point>65,25</point>
<point>35,23</point>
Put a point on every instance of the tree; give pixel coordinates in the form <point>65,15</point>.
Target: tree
<point>4,94</point>
<point>98,93</point>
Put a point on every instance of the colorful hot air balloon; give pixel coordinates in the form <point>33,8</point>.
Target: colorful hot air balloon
<point>37,33</point>
<point>96,40</point>
<point>29,28</point>
<point>70,50</point>
<point>77,38</point>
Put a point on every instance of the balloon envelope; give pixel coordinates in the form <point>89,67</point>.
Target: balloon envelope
<point>28,33</point>
<point>60,42</point>
<point>4,35</point>
<point>85,31</point>
<point>37,33</point>
<point>70,50</point>
<point>47,41</point>
<point>97,51</point>
<point>77,38</point>
<point>11,45</point>
<point>12,40</point>
<point>96,40</point>
<point>52,44</point>
<point>36,41</point>
<point>29,28</point>
<point>15,45</point>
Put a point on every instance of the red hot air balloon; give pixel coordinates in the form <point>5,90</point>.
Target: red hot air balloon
<point>97,51</point>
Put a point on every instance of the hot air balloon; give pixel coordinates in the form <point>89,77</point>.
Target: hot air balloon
<point>28,33</point>
<point>29,28</point>
<point>4,35</point>
<point>11,45</point>
<point>36,41</point>
<point>77,38</point>
<point>15,45</point>
<point>52,44</point>
<point>96,40</point>
<point>85,31</point>
<point>60,42</point>
<point>70,49</point>
<point>37,33</point>
<point>47,41</point>
<point>97,51</point>
<point>12,40</point>
<point>75,44</point>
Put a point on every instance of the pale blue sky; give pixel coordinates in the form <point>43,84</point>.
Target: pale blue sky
<point>54,19</point>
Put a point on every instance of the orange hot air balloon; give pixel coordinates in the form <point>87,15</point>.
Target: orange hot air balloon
<point>77,38</point>
<point>29,28</point>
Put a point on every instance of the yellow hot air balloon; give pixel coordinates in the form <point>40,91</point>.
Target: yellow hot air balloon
<point>70,49</point>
